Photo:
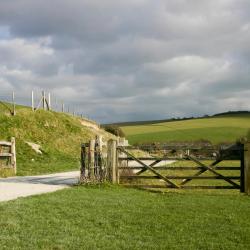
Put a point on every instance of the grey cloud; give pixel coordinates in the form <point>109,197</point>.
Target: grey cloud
<point>125,60</point>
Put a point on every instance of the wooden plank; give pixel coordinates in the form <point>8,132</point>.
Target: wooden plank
<point>180,168</point>
<point>5,143</point>
<point>150,168</point>
<point>183,187</point>
<point>171,147</point>
<point>203,148</point>
<point>179,177</point>
<point>166,158</point>
<point>5,155</point>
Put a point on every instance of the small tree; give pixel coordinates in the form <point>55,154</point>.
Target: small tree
<point>115,130</point>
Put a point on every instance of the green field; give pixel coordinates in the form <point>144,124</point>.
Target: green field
<point>219,129</point>
<point>120,218</point>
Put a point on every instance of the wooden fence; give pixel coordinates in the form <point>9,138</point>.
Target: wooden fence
<point>8,154</point>
<point>146,167</point>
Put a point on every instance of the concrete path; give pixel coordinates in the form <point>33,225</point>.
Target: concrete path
<point>14,187</point>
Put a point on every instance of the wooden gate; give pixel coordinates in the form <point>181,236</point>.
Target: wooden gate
<point>193,167</point>
<point>147,166</point>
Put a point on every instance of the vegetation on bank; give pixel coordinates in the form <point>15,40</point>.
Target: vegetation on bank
<point>219,129</point>
<point>59,135</point>
<point>114,129</point>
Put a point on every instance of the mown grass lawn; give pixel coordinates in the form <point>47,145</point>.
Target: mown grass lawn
<point>120,218</point>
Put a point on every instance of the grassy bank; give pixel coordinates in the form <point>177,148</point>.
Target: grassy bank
<point>219,129</point>
<point>119,218</point>
<point>59,135</point>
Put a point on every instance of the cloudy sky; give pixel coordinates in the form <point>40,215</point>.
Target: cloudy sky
<point>117,60</point>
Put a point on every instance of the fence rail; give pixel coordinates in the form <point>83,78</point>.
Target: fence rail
<point>8,152</point>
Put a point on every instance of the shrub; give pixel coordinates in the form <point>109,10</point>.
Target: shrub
<point>115,130</point>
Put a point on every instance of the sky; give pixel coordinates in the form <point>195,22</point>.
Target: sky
<point>116,60</point>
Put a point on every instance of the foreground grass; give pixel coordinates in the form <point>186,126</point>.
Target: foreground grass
<point>216,130</point>
<point>119,218</point>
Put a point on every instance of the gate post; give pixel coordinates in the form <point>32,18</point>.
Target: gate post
<point>247,168</point>
<point>13,153</point>
<point>84,161</point>
<point>92,160</point>
<point>242,167</point>
<point>113,174</point>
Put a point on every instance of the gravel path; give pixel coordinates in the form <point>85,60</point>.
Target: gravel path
<point>14,187</point>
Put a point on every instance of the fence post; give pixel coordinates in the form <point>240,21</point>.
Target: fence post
<point>84,170</point>
<point>112,161</point>
<point>32,101</point>
<point>44,100</point>
<point>13,103</point>
<point>13,153</point>
<point>62,107</point>
<point>247,168</point>
<point>49,101</point>
<point>92,159</point>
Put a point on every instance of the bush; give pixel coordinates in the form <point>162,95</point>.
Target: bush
<point>115,130</point>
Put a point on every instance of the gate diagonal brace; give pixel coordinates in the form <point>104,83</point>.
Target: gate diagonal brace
<point>200,172</point>
<point>213,171</point>
<point>150,168</point>
<point>151,165</point>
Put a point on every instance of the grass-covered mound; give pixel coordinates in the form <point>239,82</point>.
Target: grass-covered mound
<point>59,135</point>
<point>219,129</point>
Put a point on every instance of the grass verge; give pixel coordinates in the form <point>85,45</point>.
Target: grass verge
<point>120,218</point>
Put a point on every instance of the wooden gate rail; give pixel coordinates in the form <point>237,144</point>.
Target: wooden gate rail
<point>10,147</point>
<point>181,168</point>
<point>181,187</point>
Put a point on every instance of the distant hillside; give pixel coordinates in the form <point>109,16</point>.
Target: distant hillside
<point>59,135</point>
<point>133,123</point>
<point>220,128</point>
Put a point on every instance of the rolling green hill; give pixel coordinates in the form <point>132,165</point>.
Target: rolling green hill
<point>59,135</point>
<point>216,129</point>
